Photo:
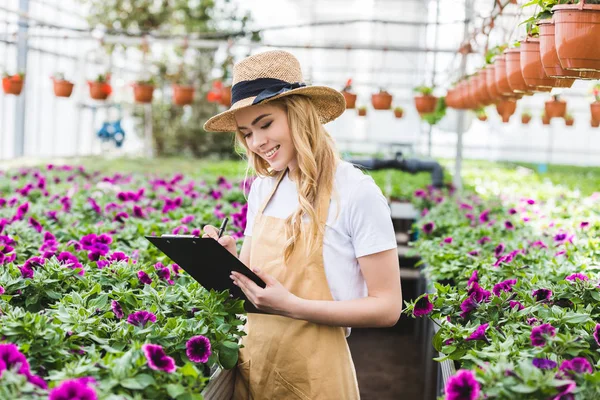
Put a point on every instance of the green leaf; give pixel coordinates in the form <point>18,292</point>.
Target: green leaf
<point>523,388</point>
<point>175,390</point>
<point>228,354</point>
<point>139,382</point>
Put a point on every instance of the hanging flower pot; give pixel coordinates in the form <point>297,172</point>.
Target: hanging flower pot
<point>398,112</point>
<point>514,74</point>
<point>13,84</point>
<point>481,115</point>
<point>577,35</point>
<point>532,69</point>
<point>550,60</point>
<point>143,91</point>
<point>348,95</point>
<point>555,108</point>
<point>100,89</point>
<point>225,96</point>
<point>61,86</point>
<point>381,100</point>
<point>595,110</point>
<point>183,95</point>
<point>525,118</point>
<point>545,119</point>
<point>426,102</point>
<point>490,79</point>
<point>362,111</point>
<point>569,120</point>
<point>501,79</point>
<point>506,108</point>
<point>595,123</point>
<point>473,93</point>
<point>483,94</point>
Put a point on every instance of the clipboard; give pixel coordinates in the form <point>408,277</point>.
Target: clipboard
<point>209,263</point>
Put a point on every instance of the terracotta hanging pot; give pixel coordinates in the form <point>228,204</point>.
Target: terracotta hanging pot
<point>482,118</point>
<point>225,96</point>
<point>569,121</point>
<point>473,91</point>
<point>595,123</point>
<point>577,35</point>
<point>99,90</point>
<point>502,79</point>
<point>12,85</point>
<point>350,99</point>
<point>595,110</point>
<point>425,104</point>
<point>183,95</point>
<point>555,108</point>
<point>525,119</point>
<point>398,112</point>
<point>545,120</point>
<point>533,71</point>
<point>506,108</point>
<point>62,88</point>
<point>514,73</point>
<point>490,79</point>
<point>485,97</point>
<point>362,111</point>
<point>550,60</point>
<point>143,93</point>
<point>381,100</point>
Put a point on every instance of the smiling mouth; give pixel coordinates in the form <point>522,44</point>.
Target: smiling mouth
<point>272,152</point>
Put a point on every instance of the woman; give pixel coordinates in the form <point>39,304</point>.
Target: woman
<point>319,234</point>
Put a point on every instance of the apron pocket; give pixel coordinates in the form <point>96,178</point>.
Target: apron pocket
<point>285,390</point>
<point>241,389</point>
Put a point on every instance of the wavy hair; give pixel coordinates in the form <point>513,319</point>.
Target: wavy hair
<point>317,161</point>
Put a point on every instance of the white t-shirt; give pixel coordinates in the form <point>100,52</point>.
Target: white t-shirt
<point>362,227</point>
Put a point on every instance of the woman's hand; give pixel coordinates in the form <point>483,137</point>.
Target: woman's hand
<point>226,241</point>
<point>274,298</point>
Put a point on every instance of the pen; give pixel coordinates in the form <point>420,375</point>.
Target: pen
<point>222,228</point>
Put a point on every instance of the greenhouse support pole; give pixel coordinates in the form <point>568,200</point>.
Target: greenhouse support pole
<point>22,48</point>
<point>435,44</point>
<point>148,130</point>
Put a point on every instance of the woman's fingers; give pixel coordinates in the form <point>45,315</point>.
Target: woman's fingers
<point>210,231</point>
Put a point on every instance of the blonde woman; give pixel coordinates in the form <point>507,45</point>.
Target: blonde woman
<point>319,234</point>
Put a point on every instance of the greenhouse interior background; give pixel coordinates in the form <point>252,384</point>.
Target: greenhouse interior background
<point>493,188</point>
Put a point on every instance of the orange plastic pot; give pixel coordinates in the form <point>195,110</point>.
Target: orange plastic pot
<point>473,91</point>
<point>225,96</point>
<point>183,95</point>
<point>514,74</point>
<point>506,108</point>
<point>482,118</point>
<point>398,113</point>
<point>532,69</point>
<point>595,110</point>
<point>381,101</point>
<point>490,80</point>
<point>555,108</point>
<point>143,93</point>
<point>425,104</point>
<point>100,90</point>
<point>546,120</point>
<point>362,112</point>
<point>350,99</point>
<point>483,94</point>
<point>12,85</point>
<point>595,123</point>
<point>577,29</point>
<point>502,79</point>
<point>550,60</point>
<point>525,119</point>
<point>62,88</point>
<point>569,122</point>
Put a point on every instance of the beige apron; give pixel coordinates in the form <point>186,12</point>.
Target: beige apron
<point>286,358</point>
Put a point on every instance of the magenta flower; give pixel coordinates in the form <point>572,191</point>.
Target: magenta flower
<point>540,333</point>
<point>11,357</point>
<point>467,306</point>
<point>157,359</point>
<point>478,293</point>
<point>1,290</point>
<point>473,253</point>
<point>165,274</point>
<point>578,365</point>
<point>121,217</point>
<point>117,309</point>
<point>509,225</point>
<point>577,276</point>
<point>420,193</point>
<point>484,240</point>
<point>462,386</point>
<point>542,294</point>
<point>473,278</point>
<point>499,249</point>
<point>504,286</point>
<point>512,211</point>
<point>119,256</point>
<point>144,278</point>
<point>35,224</point>
<point>513,304</point>
<point>584,224</point>
<point>187,219</point>
<point>423,306</point>
<point>26,272</point>
<point>141,318</point>
<point>74,389</point>
<point>448,240</point>
<point>484,216</point>
<point>596,334</point>
<point>428,228</point>
<point>479,333</point>
<point>560,237</point>
<point>543,363</point>
<point>530,201</point>
<point>138,212</point>
<point>198,349</point>
<point>465,206</point>
<point>37,381</point>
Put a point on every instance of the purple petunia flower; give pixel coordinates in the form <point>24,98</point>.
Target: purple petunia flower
<point>428,228</point>
<point>26,272</point>
<point>504,286</point>
<point>157,359</point>
<point>35,224</point>
<point>539,334</point>
<point>473,278</point>
<point>423,306</point>
<point>420,193</point>
<point>465,206</point>
<point>121,217</point>
<point>74,389</point>
<point>448,240</point>
<point>578,365</point>
<point>141,318</point>
<point>577,276</point>
<point>597,334</point>
<point>484,240</point>
<point>543,363</point>
<point>462,386</point>
<point>542,294</point>
<point>467,306</point>
<point>509,225</point>
<point>165,273</point>
<point>119,256</point>
<point>560,237</point>
<point>37,381</point>
<point>584,224</point>
<point>144,278</point>
<point>117,309</point>
<point>478,293</point>
<point>1,290</point>
<point>518,304</point>
<point>198,349</point>
<point>11,357</point>
<point>187,219</point>
<point>473,253</point>
<point>484,216</point>
<point>479,333</point>
<point>530,201</point>
<point>512,211</point>
<point>499,249</point>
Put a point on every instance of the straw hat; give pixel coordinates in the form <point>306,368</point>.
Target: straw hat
<point>268,76</point>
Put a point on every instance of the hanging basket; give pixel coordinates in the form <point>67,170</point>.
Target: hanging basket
<point>12,85</point>
<point>577,35</point>
<point>506,108</point>
<point>532,69</point>
<point>555,108</point>
<point>482,118</point>
<point>515,74</point>
<point>362,112</point>
<point>99,90</point>
<point>483,93</point>
<point>183,95</point>
<point>525,119</point>
<point>425,104</point>
<point>225,96</point>
<point>545,120</point>
<point>62,88</point>
<point>398,113</point>
<point>595,110</point>
<point>350,99</point>
<point>595,123</point>
<point>490,81</point>
<point>501,79</point>
<point>381,100</point>
<point>570,122</point>
<point>143,93</point>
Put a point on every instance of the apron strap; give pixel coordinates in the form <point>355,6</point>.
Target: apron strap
<point>266,202</point>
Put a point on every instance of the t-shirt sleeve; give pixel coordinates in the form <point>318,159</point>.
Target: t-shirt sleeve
<point>369,220</point>
<point>252,207</point>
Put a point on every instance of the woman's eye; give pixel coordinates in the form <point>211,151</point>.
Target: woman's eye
<point>268,124</point>
<point>247,135</point>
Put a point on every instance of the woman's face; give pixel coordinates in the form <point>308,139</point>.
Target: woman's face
<point>267,133</point>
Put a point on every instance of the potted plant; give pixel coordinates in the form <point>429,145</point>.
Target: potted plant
<point>555,108</point>
<point>62,87</point>
<point>100,88</point>
<point>226,96</point>
<point>569,120</point>
<point>183,94</point>
<point>381,100</point>
<point>545,119</point>
<point>506,108</point>
<point>595,106</point>
<point>143,90</point>
<point>13,84</point>
<point>398,112</point>
<point>220,94</point>
<point>481,114</point>
<point>525,117</point>
<point>594,123</point>
<point>426,102</point>
<point>362,111</point>
<point>532,69</point>
<point>348,95</point>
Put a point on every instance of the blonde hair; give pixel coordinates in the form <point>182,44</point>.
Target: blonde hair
<point>317,161</point>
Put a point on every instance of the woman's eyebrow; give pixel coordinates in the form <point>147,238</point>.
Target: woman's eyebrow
<point>255,121</point>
